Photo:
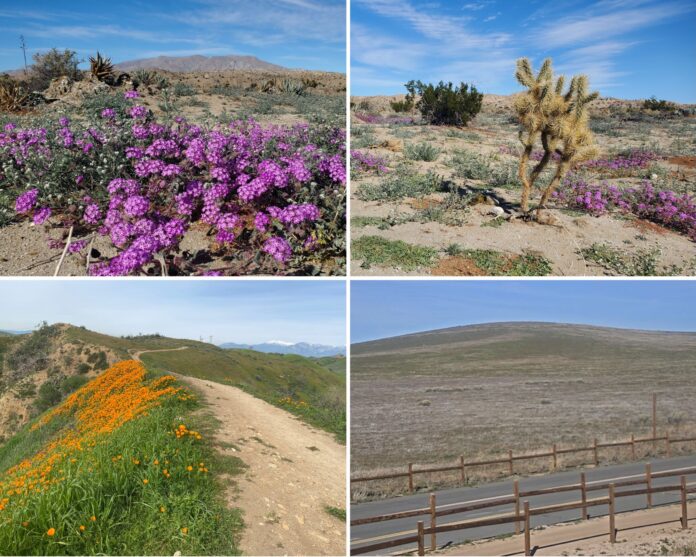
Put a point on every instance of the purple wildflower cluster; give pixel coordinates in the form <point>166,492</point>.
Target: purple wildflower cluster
<point>635,159</point>
<point>367,162</point>
<point>368,118</point>
<point>645,201</point>
<point>269,181</point>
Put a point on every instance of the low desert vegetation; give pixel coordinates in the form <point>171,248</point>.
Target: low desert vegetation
<point>555,170</point>
<point>80,149</point>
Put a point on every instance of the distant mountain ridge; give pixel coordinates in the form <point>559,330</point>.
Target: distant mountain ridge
<point>280,347</point>
<point>199,63</point>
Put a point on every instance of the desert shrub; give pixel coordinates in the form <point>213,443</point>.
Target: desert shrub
<point>183,89</point>
<point>661,105</point>
<point>443,104</point>
<point>144,77</point>
<point>470,165</point>
<point>49,395</point>
<point>52,64</point>
<point>401,183</point>
<point>374,250</point>
<point>33,353</point>
<point>402,106</point>
<point>26,389</point>
<point>421,152</point>
<point>83,368</point>
<point>98,360</point>
<point>70,384</point>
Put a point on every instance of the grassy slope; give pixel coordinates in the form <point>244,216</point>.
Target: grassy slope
<point>120,482</point>
<point>271,377</point>
<point>336,364</point>
<point>523,347</point>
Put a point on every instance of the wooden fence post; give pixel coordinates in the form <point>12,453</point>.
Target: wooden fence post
<point>433,522</point>
<point>648,483</point>
<point>633,446</point>
<point>510,461</point>
<point>654,419</point>
<point>461,460</point>
<point>684,516</point>
<point>612,519</point>
<point>596,456</point>
<point>555,457</point>
<point>669,446</point>
<point>527,533</point>
<point>516,489</point>
<point>410,477</point>
<point>421,539</point>
<point>583,495</point>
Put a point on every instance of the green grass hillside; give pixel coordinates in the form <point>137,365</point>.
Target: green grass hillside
<point>124,466</point>
<point>308,388</point>
<point>336,364</point>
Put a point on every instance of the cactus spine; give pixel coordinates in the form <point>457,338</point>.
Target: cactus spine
<point>559,120</point>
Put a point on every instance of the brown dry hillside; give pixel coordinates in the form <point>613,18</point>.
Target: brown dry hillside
<point>483,389</point>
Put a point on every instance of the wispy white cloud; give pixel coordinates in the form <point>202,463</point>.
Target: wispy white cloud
<point>434,26</point>
<point>600,24</point>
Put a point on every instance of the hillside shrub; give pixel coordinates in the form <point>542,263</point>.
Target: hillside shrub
<point>49,395</point>
<point>444,104</point>
<point>83,368</point>
<point>402,106</point>
<point>661,105</point>
<point>52,64</point>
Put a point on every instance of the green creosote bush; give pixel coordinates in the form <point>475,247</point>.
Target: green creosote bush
<point>444,104</point>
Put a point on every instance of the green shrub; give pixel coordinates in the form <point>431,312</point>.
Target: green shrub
<point>662,105</point>
<point>443,104</point>
<point>373,250</point>
<point>49,395</point>
<point>83,368</point>
<point>402,106</point>
<point>70,384</point>
<point>401,183</point>
<point>53,64</point>
<point>421,152</point>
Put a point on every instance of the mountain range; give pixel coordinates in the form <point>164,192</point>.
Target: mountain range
<point>280,347</point>
<point>199,63</point>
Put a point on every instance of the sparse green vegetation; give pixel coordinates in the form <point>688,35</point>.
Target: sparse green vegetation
<point>401,183</point>
<point>373,250</point>
<point>421,152</point>
<point>336,512</point>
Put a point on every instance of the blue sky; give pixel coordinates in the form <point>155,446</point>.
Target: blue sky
<point>292,33</point>
<point>381,309</point>
<point>629,48</point>
<point>231,311</point>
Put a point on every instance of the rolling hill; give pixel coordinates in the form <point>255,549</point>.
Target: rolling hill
<point>482,390</point>
<point>521,347</point>
<point>39,369</point>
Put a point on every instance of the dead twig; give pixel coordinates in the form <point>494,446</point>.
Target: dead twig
<point>65,251</point>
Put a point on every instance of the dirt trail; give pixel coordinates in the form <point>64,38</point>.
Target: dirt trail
<point>646,532</point>
<point>294,472</point>
<point>136,355</point>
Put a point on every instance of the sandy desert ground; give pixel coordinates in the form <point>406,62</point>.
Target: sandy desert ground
<point>458,214</point>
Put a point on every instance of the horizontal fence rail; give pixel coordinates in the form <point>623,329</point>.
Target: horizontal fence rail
<point>522,510</point>
<point>553,454</point>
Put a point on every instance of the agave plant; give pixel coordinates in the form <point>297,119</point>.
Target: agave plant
<point>101,68</point>
<point>12,97</point>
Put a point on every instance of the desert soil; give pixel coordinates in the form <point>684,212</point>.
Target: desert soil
<point>646,532</point>
<point>294,472</point>
<point>564,234</point>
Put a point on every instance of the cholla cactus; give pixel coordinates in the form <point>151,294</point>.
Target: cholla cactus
<point>560,120</point>
<point>102,68</point>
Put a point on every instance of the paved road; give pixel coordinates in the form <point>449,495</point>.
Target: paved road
<point>384,530</point>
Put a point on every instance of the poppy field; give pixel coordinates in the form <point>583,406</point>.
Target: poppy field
<point>119,467</point>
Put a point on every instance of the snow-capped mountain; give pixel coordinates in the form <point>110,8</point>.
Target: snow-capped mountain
<point>283,347</point>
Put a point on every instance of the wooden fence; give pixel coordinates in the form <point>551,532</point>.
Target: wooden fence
<point>512,458</point>
<point>522,510</point>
